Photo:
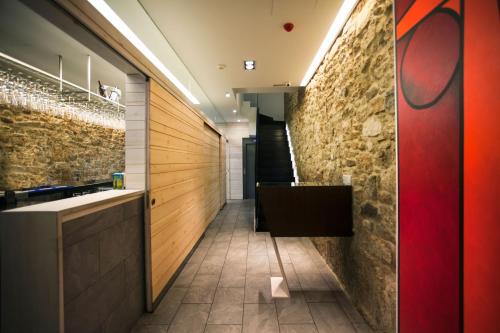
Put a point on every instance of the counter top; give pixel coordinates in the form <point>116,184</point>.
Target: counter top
<point>299,184</point>
<point>73,207</point>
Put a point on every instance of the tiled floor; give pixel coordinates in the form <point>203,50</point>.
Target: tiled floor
<point>225,286</point>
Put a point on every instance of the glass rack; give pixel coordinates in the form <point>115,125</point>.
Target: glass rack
<point>26,86</point>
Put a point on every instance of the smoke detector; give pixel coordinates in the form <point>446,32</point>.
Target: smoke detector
<point>288,26</point>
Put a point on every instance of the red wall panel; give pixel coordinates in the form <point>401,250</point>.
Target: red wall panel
<point>429,109</point>
<point>481,166</point>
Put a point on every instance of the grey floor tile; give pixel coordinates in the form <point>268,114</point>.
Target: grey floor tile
<point>241,231</point>
<point>274,267</point>
<point>237,253</point>
<point>167,308</point>
<point>298,328</point>
<point>187,275</point>
<point>229,279</point>
<point>348,308</point>
<point>257,248</point>
<point>217,251</point>
<point>285,258</point>
<point>293,310</point>
<point>227,307</point>
<point>257,236</point>
<point>291,277</point>
<point>362,328</point>
<point>294,246</point>
<point>229,295</point>
<point>202,289</point>
<point>150,329</point>
<point>223,328</point>
<point>199,295</point>
<point>206,242</point>
<point>205,280</point>
<point>331,280</point>
<point>212,264</point>
<point>223,237</point>
<point>312,281</point>
<point>329,317</point>
<point>260,318</point>
<point>235,266</point>
<point>258,264</point>
<point>199,254</point>
<point>258,289</point>
<point>320,296</point>
<point>226,313</point>
<point>303,264</point>
<point>190,318</point>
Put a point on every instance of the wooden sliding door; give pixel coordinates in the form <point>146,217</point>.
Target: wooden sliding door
<point>184,183</point>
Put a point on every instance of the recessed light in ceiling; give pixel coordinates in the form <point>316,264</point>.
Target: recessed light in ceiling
<point>249,65</point>
<point>234,111</point>
<point>239,120</point>
<point>228,95</point>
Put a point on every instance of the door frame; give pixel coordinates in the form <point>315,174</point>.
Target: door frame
<point>244,142</point>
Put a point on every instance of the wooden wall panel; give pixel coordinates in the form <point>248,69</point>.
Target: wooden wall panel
<point>185,182</point>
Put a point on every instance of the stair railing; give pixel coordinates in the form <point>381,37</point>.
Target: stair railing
<point>292,155</point>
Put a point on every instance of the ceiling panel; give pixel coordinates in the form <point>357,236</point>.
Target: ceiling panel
<point>207,33</point>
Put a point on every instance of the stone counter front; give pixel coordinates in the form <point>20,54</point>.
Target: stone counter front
<point>82,258</point>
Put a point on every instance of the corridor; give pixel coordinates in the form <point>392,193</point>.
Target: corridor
<point>225,286</point>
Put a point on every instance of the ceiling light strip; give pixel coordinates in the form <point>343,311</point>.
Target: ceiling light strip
<point>337,25</point>
<point>106,11</point>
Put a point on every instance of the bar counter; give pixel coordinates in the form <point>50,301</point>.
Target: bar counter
<point>73,265</point>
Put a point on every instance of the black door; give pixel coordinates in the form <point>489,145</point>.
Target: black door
<point>248,168</point>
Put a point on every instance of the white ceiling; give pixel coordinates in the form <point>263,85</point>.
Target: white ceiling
<point>207,33</point>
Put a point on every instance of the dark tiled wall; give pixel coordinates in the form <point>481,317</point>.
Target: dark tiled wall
<point>104,269</point>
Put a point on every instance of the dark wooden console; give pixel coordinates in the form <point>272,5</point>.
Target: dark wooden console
<point>305,210</point>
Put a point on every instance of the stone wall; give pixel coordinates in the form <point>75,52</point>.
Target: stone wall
<point>342,123</point>
<point>39,149</point>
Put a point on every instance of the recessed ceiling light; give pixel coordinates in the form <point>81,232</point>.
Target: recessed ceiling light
<point>239,120</point>
<point>228,95</point>
<point>234,111</point>
<point>249,65</point>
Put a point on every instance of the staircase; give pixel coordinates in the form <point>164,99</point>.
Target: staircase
<point>274,163</point>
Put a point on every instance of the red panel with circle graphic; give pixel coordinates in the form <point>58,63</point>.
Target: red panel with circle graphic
<point>429,74</point>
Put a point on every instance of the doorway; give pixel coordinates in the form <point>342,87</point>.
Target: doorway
<point>248,146</point>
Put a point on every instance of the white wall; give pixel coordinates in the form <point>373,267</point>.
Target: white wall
<point>234,132</point>
<point>272,105</point>
<point>135,134</point>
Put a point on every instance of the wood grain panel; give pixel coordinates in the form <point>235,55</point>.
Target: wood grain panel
<point>185,181</point>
